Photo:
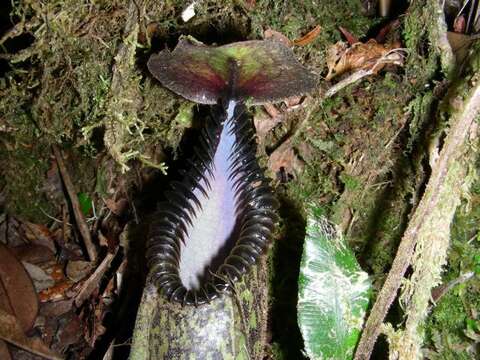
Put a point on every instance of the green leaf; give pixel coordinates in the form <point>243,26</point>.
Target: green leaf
<point>334,293</point>
<point>85,203</point>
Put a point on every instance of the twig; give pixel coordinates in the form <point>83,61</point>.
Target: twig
<point>441,290</point>
<point>77,211</point>
<point>64,223</point>
<point>92,282</point>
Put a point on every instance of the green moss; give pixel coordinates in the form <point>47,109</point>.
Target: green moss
<point>455,313</point>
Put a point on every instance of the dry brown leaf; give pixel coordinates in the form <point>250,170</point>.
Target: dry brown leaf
<point>41,280</point>
<point>308,37</point>
<point>55,309</point>
<point>294,102</point>
<point>69,332</point>
<point>60,291</point>
<point>77,270</point>
<point>460,44</point>
<point>278,36</point>
<point>285,159</point>
<point>263,123</point>
<point>117,207</point>
<point>39,235</point>
<point>4,353</point>
<point>460,24</point>
<point>34,254</point>
<point>11,331</point>
<point>352,39</point>
<point>62,288</point>
<point>370,56</point>
<point>18,289</point>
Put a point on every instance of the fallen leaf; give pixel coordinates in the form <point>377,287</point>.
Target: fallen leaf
<point>384,31</point>
<point>18,289</point>
<point>41,280</point>
<point>351,39</point>
<point>284,159</point>
<point>460,44</point>
<point>308,37</point>
<point>264,122</point>
<point>460,24</point>
<point>11,331</point>
<point>117,207</point>
<point>4,353</point>
<point>39,235</point>
<point>370,56</point>
<point>69,332</point>
<point>56,309</point>
<point>277,36</point>
<point>294,102</point>
<point>77,270</point>
<point>57,292</point>
<point>34,254</point>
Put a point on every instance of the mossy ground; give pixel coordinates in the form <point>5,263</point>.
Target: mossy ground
<point>364,149</point>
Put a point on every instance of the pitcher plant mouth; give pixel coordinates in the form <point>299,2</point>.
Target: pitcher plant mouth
<point>219,219</point>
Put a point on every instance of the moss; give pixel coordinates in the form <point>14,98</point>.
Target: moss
<point>450,318</point>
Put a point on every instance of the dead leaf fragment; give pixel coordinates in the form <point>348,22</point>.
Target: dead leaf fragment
<point>41,280</point>
<point>308,37</point>
<point>34,254</point>
<point>77,270</point>
<point>264,122</point>
<point>39,235</point>
<point>460,44</point>
<point>460,24</point>
<point>370,56</point>
<point>4,352</point>
<point>18,289</point>
<point>351,39</point>
<point>277,36</point>
<point>11,331</point>
<point>117,207</point>
<point>284,159</point>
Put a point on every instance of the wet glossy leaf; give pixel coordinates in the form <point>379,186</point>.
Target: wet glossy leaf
<point>333,293</point>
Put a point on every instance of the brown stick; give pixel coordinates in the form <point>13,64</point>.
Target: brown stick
<point>77,211</point>
<point>92,282</point>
